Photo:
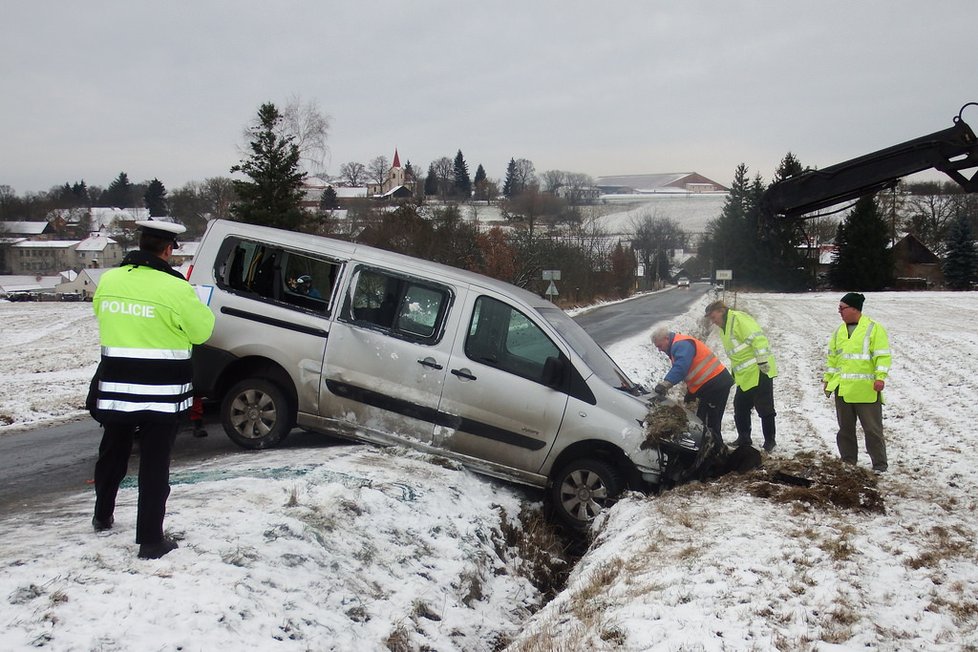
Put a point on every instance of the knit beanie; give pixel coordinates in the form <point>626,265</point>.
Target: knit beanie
<point>854,299</point>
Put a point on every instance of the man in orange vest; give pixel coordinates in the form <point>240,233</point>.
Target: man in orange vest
<point>705,376</point>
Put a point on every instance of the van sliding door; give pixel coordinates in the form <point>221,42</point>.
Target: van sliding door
<point>387,355</point>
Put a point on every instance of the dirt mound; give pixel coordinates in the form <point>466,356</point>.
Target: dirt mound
<point>817,480</point>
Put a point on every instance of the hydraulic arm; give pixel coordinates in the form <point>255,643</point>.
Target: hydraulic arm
<point>952,151</point>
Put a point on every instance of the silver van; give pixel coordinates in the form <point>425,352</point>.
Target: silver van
<point>349,340</point>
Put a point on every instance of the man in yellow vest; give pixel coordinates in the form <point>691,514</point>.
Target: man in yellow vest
<point>149,318</point>
<point>706,378</point>
<point>856,369</point>
<point>753,367</point>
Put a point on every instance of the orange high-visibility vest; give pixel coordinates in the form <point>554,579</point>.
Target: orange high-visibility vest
<point>705,365</point>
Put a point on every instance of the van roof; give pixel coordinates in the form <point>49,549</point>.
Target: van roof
<point>306,242</point>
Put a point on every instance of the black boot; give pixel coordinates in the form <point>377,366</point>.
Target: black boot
<point>157,550</point>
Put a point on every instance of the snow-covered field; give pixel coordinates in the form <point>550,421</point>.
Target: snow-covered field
<point>354,548</point>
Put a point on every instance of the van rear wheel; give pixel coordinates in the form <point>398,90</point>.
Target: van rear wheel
<point>582,489</point>
<point>256,414</point>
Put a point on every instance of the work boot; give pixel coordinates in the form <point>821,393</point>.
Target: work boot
<point>157,550</point>
<point>769,446</point>
<point>101,526</point>
<point>199,430</point>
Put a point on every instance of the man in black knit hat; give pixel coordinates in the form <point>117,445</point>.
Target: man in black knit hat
<point>856,369</point>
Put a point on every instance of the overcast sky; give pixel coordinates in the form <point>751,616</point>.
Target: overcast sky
<point>91,89</point>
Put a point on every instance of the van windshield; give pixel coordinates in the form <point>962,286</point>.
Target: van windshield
<point>593,355</point>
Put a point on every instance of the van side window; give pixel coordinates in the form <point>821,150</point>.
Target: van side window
<point>277,274</point>
<point>403,306</point>
<point>503,337</point>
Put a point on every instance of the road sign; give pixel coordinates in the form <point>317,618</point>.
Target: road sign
<point>724,274</point>
<point>551,275</point>
<point>552,290</point>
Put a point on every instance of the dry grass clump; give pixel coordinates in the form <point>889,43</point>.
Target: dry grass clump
<point>819,481</point>
<point>664,421</point>
<point>942,544</point>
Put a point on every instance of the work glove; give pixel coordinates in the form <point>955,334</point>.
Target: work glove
<point>662,388</point>
<point>689,398</point>
<point>825,388</point>
<point>764,367</point>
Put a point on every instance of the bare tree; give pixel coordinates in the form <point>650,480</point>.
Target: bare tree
<point>577,183</point>
<point>524,174</point>
<point>308,126</point>
<point>929,216</point>
<point>552,180</point>
<point>353,174</point>
<point>445,174</point>
<point>377,169</point>
<point>654,238</point>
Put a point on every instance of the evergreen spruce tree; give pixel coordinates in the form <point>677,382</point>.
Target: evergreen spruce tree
<point>463,184</point>
<point>155,198</point>
<point>479,183</point>
<point>863,260</point>
<point>274,193</point>
<point>789,167</point>
<point>431,181</point>
<point>730,238</point>
<point>961,262</point>
<point>328,200</point>
<point>509,185</point>
<point>119,193</point>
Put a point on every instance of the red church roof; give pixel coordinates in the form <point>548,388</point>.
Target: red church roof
<point>397,160</point>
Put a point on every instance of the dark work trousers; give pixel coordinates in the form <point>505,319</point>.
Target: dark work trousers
<point>155,443</point>
<point>713,397</point>
<point>870,416</point>
<point>760,398</point>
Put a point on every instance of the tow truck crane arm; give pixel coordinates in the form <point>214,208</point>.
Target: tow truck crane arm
<point>951,151</point>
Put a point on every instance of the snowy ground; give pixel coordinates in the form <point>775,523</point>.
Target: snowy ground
<point>354,548</point>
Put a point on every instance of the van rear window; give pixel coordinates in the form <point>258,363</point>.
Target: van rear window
<point>294,279</point>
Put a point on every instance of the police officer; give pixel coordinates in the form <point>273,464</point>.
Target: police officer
<point>754,370</point>
<point>149,317</point>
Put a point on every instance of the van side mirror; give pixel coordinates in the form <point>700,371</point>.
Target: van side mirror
<point>554,370</point>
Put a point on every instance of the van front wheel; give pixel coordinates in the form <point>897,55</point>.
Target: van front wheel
<point>256,414</point>
<point>582,489</point>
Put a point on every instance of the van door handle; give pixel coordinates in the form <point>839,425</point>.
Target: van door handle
<point>464,374</point>
<point>430,362</point>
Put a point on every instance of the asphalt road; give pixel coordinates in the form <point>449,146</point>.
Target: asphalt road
<point>36,465</point>
<point>619,321</point>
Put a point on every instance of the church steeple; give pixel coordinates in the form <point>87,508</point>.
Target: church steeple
<point>397,160</point>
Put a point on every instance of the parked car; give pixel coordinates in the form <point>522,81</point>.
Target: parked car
<point>379,347</point>
<point>70,296</point>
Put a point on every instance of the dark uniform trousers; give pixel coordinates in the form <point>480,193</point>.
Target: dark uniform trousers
<point>713,396</point>
<point>760,398</point>
<point>155,444</point>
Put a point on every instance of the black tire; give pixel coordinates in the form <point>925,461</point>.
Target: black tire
<point>582,489</point>
<point>256,414</point>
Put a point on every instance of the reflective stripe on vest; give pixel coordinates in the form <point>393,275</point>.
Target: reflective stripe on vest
<point>130,406</point>
<point>145,390</point>
<point>704,367</point>
<point>145,354</point>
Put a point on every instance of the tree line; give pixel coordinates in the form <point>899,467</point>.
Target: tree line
<point>768,253</point>
<point>550,227</point>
